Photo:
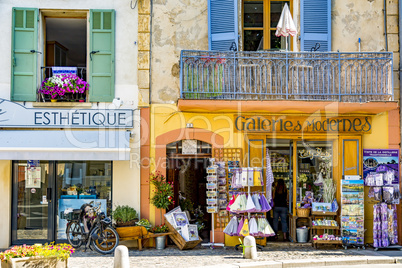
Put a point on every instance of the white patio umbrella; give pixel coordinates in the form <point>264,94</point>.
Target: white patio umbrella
<point>286,25</point>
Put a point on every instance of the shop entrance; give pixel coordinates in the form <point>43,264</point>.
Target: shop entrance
<point>188,174</point>
<point>42,190</point>
<point>299,167</point>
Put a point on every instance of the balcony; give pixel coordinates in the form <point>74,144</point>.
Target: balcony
<point>322,76</point>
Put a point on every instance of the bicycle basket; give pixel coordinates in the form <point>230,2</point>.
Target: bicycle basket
<point>71,216</point>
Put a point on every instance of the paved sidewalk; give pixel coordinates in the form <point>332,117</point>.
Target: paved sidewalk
<point>274,255</point>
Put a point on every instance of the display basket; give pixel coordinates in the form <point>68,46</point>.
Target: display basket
<point>180,242</point>
<point>71,216</point>
<point>303,212</point>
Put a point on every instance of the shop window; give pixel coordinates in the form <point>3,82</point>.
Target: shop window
<point>82,182</point>
<point>314,164</point>
<point>260,19</point>
<point>44,39</point>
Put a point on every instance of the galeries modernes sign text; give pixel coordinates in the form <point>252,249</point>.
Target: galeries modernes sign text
<point>311,124</point>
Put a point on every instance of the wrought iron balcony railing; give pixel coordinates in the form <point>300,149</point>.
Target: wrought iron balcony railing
<point>328,76</point>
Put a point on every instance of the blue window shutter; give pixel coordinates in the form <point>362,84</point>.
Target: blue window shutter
<point>101,63</point>
<point>222,24</point>
<point>315,17</point>
<point>23,61</point>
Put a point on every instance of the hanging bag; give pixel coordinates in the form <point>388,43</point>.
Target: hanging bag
<point>244,174</point>
<point>240,226</point>
<point>250,204</point>
<point>245,229</point>
<point>253,227</point>
<point>320,180</point>
<point>250,176</point>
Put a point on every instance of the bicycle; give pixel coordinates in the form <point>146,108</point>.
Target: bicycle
<point>103,237</point>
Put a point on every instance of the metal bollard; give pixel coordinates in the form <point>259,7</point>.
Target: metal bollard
<point>250,248</point>
<point>121,258</point>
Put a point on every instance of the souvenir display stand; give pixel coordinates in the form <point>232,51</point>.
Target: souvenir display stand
<point>326,220</point>
<point>216,178</point>
<point>381,175</point>
<point>352,211</point>
<point>385,224</point>
<point>248,204</point>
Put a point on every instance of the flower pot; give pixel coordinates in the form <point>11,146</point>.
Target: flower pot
<point>53,100</point>
<point>160,242</point>
<point>81,100</point>
<point>32,262</point>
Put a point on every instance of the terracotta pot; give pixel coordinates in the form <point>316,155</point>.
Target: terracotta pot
<point>32,262</point>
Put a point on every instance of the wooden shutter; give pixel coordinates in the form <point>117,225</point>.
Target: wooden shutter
<point>315,18</point>
<point>23,61</point>
<point>222,24</point>
<point>101,55</point>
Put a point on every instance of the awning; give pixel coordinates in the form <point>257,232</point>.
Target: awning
<point>67,144</point>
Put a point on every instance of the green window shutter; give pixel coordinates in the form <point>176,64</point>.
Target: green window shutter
<point>101,58</point>
<point>23,61</point>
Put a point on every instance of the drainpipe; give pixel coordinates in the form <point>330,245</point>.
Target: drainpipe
<point>150,55</point>
<point>385,25</point>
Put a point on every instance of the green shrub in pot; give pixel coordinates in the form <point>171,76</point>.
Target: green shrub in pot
<point>125,216</point>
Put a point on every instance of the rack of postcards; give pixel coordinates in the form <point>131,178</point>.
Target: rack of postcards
<point>247,208</point>
<point>352,213</point>
<point>216,188</point>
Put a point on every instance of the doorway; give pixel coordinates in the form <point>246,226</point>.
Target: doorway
<point>301,165</point>
<point>188,174</point>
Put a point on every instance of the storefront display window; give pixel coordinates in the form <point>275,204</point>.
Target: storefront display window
<point>314,165</point>
<point>80,182</point>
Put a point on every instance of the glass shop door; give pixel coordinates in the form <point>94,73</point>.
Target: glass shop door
<point>33,206</point>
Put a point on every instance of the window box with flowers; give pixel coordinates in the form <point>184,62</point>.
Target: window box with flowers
<point>64,87</point>
<point>48,255</point>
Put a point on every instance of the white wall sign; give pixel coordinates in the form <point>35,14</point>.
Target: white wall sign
<point>189,147</point>
<point>15,115</point>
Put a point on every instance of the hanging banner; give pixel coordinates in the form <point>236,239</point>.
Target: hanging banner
<point>310,124</point>
<point>381,161</point>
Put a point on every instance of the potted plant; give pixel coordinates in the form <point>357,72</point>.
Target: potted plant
<point>163,192</point>
<point>161,239</point>
<point>48,255</point>
<point>63,85</point>
<point>125,218</point>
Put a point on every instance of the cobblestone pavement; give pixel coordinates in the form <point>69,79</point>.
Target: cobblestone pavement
<point>171,256</point>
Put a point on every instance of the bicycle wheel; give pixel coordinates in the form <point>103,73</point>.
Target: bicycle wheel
<point>107,240</point>
<point>74,234</point>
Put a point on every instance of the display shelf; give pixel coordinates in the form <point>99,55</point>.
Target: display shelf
<point>325,227</point>
<point>293,225</point>
<point>326,242</point>
<point>323,213</point>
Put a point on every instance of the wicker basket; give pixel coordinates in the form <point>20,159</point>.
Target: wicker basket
<point>303,212</point>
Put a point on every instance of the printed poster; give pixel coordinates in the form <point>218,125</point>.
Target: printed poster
<point>33,177</point>
<point>381,160</point>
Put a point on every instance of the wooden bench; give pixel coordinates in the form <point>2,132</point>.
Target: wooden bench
<point>139,233</point>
